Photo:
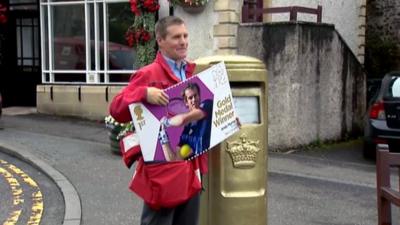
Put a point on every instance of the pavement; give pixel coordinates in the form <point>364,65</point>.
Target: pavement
<point>72,204</point>
<point>76,154</point>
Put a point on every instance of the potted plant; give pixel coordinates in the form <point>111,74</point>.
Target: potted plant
<point>116,132</point>
<point>191,6</point>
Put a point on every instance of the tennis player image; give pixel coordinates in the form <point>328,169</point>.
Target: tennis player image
<point>195,137</point>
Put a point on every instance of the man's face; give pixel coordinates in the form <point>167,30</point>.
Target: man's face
<point>192,99</point>
<point>175,43</point>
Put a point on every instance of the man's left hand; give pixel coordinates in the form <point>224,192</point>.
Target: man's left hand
<point>156,96</point>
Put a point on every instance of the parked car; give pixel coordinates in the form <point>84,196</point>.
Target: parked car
<point>373,86</point>
<point>70,54</point>
<point>382,121</point>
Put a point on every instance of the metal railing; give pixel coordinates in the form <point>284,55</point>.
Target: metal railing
<point>387,194</point>
<point>252,12</point>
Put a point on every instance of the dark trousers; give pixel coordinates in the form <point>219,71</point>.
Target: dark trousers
<point>185,214</point>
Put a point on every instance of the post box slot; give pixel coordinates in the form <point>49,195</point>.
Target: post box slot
<point>245,84</point>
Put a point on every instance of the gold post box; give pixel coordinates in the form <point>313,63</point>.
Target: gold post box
<point>236,185</point>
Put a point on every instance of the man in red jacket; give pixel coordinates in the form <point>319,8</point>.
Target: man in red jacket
<point>146,85</point>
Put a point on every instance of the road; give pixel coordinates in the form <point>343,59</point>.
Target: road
<point>28,196</point>
<point>307,189</point>
<point>330,185</point>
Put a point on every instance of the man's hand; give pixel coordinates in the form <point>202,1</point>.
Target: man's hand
<point>156,96</point>
<point>238,122</point>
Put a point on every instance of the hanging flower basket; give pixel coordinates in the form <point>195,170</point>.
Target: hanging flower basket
<point>192,6</point>
<point>140,35</point>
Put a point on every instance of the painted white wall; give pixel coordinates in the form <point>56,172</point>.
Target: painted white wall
<point>200,27</point>
<point>342,13</point>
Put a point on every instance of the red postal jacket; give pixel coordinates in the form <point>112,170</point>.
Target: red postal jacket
<point>157,74</point>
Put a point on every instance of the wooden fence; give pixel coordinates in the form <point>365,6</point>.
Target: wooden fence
<point>253,11</point>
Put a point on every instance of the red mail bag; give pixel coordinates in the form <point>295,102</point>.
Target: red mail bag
<point>166,184</point>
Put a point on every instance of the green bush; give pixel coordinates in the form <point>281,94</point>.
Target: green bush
<point>381,55</point>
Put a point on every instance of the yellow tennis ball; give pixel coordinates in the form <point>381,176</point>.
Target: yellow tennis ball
<point>185,151</point>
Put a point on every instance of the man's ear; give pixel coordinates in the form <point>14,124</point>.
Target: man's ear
<point>159,41</point>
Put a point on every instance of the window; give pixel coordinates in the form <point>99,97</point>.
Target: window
<point>26,34</point>
<point>84,41</point>
<point>27,44</point>
<point>394,87</point>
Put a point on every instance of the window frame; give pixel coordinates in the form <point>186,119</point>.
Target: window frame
<point>92,76</point>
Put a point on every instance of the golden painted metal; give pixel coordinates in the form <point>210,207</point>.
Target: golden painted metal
<point>243,152</point>
<point>236,189</point>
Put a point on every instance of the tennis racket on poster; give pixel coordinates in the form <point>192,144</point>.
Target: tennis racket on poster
<point>204,93</point>
<point>176,106</point>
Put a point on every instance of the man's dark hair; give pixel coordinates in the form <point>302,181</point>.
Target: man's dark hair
<point>191,86</point>
<point>164,23</point>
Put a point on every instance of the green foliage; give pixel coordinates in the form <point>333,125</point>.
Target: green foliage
<point>147,21</point>
<point>145,51</point>
<point>382,55</point>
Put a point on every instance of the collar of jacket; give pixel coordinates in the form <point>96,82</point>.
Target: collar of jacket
<point>161,60</point>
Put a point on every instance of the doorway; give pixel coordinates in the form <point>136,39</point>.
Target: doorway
<point>20,48</point>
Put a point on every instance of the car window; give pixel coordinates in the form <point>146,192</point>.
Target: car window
<point>394,88</point>
<point>373,86</point>
<point>122,59</point>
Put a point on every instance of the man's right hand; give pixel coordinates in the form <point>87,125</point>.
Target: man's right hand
<point>156,96</point>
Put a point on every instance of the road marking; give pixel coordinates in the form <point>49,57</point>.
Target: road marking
<point>17,194</point>
<point>36,197</point>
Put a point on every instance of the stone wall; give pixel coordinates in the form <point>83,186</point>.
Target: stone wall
<point>347,16</point>
<point>316,85</point>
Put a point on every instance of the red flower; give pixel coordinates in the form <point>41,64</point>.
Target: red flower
<point>151,5</point>
<point>145,36</point>
<point>3,8</point>
<point>137,36</point>
<point>130,38</point>
<point>134,7</point>
<point>154,8</point>
<point>3,17</point>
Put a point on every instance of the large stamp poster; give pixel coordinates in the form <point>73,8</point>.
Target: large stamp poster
<point>200,114</point>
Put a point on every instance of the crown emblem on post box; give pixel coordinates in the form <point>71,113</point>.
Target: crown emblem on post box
<point>243,152</point>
